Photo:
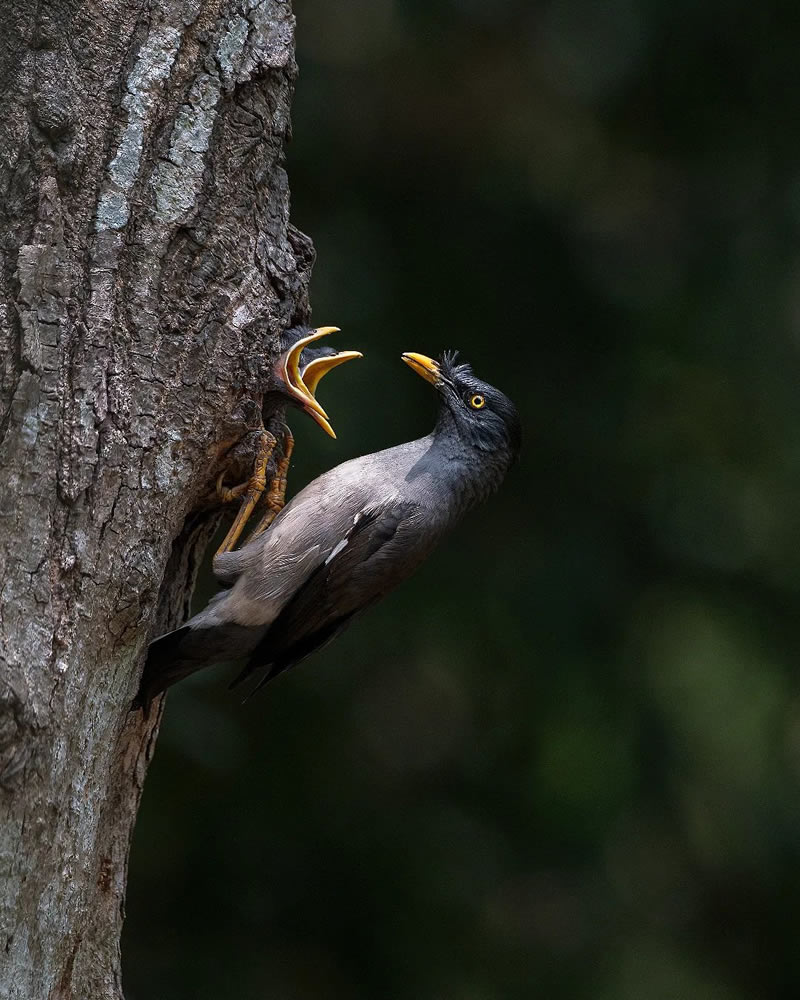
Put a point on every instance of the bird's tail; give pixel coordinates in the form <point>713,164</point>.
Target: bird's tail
<point>164,666</point>
<point>191,647</point>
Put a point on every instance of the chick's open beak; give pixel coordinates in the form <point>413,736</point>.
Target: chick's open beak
<point>316,369</point>
<point>426,367</point>
<point>302,386</point>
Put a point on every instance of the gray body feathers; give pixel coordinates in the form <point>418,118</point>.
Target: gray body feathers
<point>343,542</point>
<point>339,545</point>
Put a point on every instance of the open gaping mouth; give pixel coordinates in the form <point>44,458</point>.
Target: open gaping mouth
<point>302,384</point>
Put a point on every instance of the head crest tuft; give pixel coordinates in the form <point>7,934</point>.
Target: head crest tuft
<point>449,367</point>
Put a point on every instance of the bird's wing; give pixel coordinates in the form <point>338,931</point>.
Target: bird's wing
<point>382,547</point>
<point>271,569</point>
<point>268,573</point>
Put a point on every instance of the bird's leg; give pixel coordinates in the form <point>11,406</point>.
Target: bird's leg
<point>276,497</point>
<point>251,490</point>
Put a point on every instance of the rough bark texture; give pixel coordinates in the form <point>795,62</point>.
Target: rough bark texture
<point>148,265</point>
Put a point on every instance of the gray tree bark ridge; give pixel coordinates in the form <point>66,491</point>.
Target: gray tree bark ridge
<point>148,267</point>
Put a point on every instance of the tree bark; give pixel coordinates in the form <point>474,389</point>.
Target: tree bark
<point>148,266</point>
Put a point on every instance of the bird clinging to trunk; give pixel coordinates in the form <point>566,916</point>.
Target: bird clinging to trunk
<point>347,539</point>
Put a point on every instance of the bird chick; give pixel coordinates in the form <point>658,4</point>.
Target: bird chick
<point>298,370</point>
<point>347,539</point>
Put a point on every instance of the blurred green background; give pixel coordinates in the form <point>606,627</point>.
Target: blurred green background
<point>563,760</point>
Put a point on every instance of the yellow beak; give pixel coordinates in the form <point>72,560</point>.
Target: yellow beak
<point>303,386</point>
<point>426,367</point>
<point>315,370</point>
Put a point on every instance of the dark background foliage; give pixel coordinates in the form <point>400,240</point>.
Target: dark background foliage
<point>564,760</point>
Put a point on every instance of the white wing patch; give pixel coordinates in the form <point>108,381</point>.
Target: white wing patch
<point>344,542</point>
<point>337,548</point>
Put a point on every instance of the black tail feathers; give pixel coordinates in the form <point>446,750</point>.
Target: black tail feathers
<point>164,666</point>
<point>177,654</point>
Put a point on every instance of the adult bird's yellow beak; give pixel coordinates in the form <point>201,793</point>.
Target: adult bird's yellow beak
<point>303,385</point>
<point>426,367</point>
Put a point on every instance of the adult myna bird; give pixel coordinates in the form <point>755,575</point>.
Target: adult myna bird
<point>348,538</point>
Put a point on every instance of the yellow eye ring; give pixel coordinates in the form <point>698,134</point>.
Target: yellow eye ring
<point>477,402</point>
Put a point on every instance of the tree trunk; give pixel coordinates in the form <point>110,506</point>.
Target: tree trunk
<point>148,268</point>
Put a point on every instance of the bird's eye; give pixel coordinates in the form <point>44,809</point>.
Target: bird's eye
<point>477,402</point>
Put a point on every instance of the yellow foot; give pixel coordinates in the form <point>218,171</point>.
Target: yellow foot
<point>252,491</point>
<point>276,498</point>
